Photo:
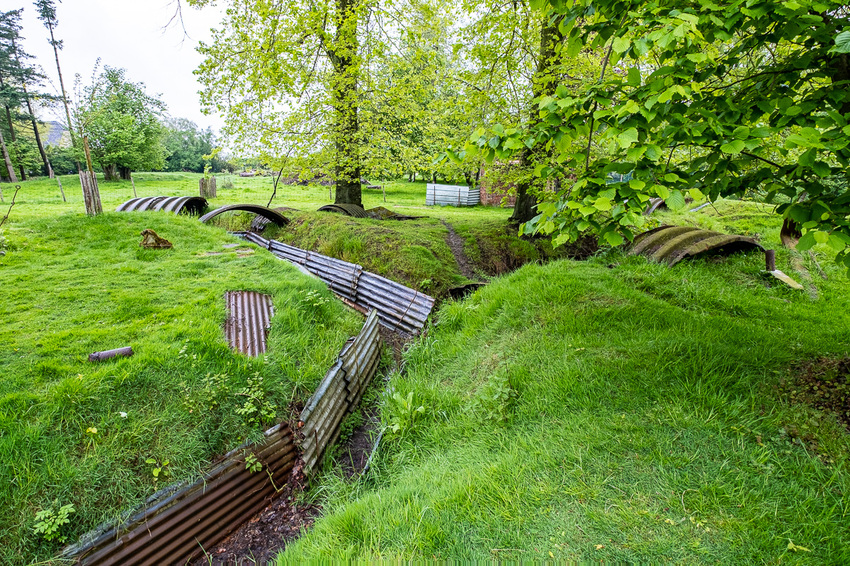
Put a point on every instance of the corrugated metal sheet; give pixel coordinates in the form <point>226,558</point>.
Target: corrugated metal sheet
<point>190,205</point>
<point>454,195</point>
<point>339,392</point>
<point>347,209</point>
<point>177,525</point>
<point>399,308</point>
<point>248,321</point>
<point>672,244</point>
<point>260,210</point>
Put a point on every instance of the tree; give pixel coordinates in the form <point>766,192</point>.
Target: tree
<point>285,75</point>
<point>187,146</point>
<point>122,123</point>
<point>711,99</point>
<point>47,14</point>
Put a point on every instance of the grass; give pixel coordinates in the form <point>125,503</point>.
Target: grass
<point>611,410</point>
<point>413,252</point>
<point>81,433</point>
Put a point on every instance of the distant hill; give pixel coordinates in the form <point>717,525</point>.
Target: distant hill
<point>56,134</point>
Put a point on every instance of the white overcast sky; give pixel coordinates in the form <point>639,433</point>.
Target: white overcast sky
<point>127,34</point>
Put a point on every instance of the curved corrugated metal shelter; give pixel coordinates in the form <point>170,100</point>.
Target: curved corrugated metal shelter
<point>190,205</point>
<point>260,210</point>
<point>347,209</point>
<point>672,244</point>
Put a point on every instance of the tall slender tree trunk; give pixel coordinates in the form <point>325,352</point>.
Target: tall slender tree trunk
<point>345,100</point>
<point>543,83</point>
<point>47,168</point>
<point>14,139</point>
<point>10,170</point>
<point>62,86</point>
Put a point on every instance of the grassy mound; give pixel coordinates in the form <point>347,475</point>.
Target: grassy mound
<point>73,432</point>
<point>610,410</point>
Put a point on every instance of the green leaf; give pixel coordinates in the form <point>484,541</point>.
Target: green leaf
<point>821,169</point>
<point>633,76</point>
<point>621,44</point>
<point>676,200</point>
<point>661,191</point>
<point>733,148</point>
<point>613,238</point>
<point>842,43</point>
<point>627,138</point>
<point>806,242</point>
<point>637,184</point>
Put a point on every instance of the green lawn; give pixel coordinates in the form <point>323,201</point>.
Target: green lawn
<point>611,410</point>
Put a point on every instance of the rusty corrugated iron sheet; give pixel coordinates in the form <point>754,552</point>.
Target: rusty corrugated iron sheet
<point>177,524</point>
<point>399,308</point>
<point>347,209</point>
<point>190,205</point>
<point>271,215</point>
<point>339,392</point>
<point>672,244</point>
<point>248,321</point>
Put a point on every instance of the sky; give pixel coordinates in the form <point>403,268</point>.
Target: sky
<point>127,34</point>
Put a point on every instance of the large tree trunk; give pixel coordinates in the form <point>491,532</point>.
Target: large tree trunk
<point>345,101</point>
<point>543,83</point>
<point>124,172</point>
<point>10,170</point>
<point>110,173</point>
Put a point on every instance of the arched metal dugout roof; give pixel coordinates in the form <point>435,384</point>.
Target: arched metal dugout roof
<point>260,210</point>
<point>191,205</point>
<point>672,244</point>
<point>347,209</point>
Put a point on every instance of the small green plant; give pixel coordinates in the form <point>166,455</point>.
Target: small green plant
<point>425,284</point>
<point>50,521</point>
<point>252,464</point>
<point>401,414</point>
<point>257,408</point>
<point>349,424</point>
<point>214,389</point>
<point>158,470</point>
<point>314,299</point>
<point>495,400</point>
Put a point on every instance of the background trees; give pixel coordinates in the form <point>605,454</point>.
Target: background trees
<point>187,145</point>
<point>122,123</point>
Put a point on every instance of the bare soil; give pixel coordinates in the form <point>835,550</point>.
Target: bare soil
<point>263,536</point>
<point>825,385</point>
<point>455,242</point>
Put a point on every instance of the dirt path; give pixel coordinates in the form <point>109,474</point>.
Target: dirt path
<point>455,243</point>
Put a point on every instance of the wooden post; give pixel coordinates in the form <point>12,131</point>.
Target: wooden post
<point>384,190</point>
<point>88,180</point>
<point>132,182</point>
<point>770,260</point>
<point>61,190</point>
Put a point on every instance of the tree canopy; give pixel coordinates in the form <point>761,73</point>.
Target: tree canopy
<point>122,123</point>
<point>700,98</point>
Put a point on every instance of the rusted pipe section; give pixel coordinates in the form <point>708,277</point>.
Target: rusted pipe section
<point>770,260</point>
<point>125,352</point>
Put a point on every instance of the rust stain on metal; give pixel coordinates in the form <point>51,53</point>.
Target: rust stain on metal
<point>191,205</point>
<point>179,524</point>
<point>248,321</point>
<point>672,244</point>
<point>271,215</point>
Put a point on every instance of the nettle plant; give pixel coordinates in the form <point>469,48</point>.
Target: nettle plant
<point>697,97</point>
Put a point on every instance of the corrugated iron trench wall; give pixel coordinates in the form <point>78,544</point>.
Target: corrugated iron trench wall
<point>177,524</point>
<point>399,308</point>
<point>339,393</point>
<point>174,527</point>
